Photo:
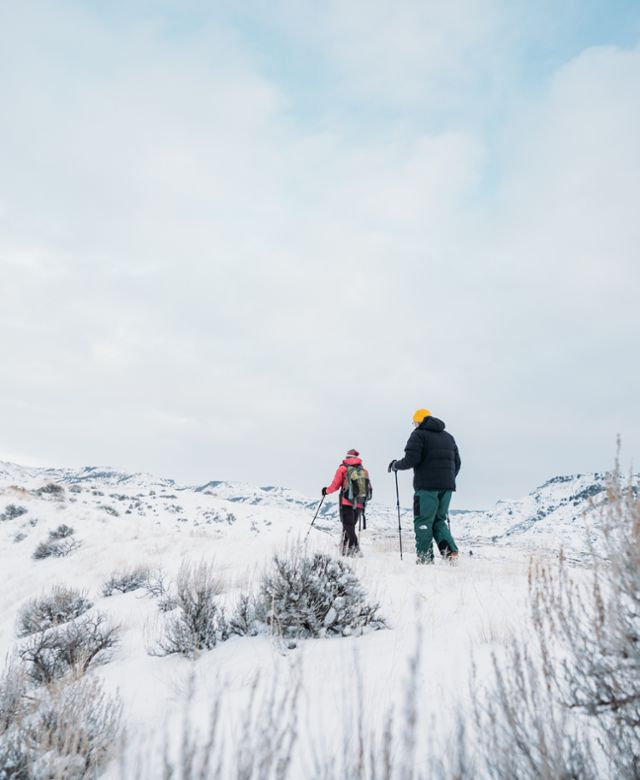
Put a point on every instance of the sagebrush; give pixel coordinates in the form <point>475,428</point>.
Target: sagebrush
<point>313,595</point>
<point>59,543</point>
<point>160,588</point>
<point>61,606</point>
<point>63,531</point>
<point>11,511</point>
<point>70,648</point>
<point>51,489</point>
<point>126,581</point>
<point>198,623</point>
<point>62,731</point>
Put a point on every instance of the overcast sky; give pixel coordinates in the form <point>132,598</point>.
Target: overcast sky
<point>237,239</point>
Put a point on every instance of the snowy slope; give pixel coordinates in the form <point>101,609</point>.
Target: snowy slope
<point>123,520</point>
<point>560,514</point>
<point>215,503</point>
<point>557,514</point>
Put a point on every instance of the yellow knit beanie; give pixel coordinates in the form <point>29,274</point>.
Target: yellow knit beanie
<point>421,415</point>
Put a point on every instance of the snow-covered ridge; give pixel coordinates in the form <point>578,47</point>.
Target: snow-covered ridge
<point>559,514</point>
<point>556,514</point>
<point>244,506</point>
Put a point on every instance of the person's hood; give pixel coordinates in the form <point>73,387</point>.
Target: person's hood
<point>352,461</point>
<point>432,424</point>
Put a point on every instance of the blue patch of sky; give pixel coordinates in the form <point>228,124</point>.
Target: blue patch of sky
<point>551,33</point>
<point>557,34</point>
<point>565,29</point>
<point>538,39</point>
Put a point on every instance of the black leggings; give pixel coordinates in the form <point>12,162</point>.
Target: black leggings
<point>349,517</point>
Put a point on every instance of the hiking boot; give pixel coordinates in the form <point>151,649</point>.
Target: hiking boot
<point>452,558</point>
<point>424,561</point>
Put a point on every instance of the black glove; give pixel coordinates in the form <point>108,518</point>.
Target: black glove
<point>324,491</point>
<point>392,466</point>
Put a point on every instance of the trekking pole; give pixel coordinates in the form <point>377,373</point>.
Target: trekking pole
<point>398,505</point>
<point>314,518</point>
<point>448,523</point>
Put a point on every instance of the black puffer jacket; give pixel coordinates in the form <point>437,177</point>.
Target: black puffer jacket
<point>433,455</point>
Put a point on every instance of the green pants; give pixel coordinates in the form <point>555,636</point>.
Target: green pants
<point>430,509</point>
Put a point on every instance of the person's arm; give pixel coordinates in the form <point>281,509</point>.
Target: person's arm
<point>457,458</point>
<point>338,480</point>
<point>412,453</point>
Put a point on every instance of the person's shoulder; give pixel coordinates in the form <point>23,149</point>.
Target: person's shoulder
<point>416,437</point>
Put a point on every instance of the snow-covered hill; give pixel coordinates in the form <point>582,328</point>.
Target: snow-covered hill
<point>558,514</point>
<point>225,507</point>
<point>121,521</point>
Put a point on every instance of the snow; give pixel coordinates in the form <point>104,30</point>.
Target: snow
<point>461,613</point>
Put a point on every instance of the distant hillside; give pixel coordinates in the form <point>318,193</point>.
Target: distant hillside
<point>558,514</point>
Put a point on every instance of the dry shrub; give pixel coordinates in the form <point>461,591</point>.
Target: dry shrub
<point>13,691</point>
<point>63,531</point>
<point>40,614</point>
<point>11,511</point>
<point>567,705</point>
<point>199,623</point>
<point>160,588</point>
<point>68,649</point>
<point>74,730</point>
<point>51,489</point>
<point>62,732</point>
<point>311,596</point>
<point>126,581</point>
<point>55,548</point>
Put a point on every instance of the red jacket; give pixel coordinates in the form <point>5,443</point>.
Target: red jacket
<point>338,480</point>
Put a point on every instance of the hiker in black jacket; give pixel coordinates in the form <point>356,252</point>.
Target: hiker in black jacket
<point>433,455</point>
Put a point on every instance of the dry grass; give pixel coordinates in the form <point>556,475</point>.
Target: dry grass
<point>65,731</point>
<point>565,699</point>
<point>257,744</point>
<point>494,632</point>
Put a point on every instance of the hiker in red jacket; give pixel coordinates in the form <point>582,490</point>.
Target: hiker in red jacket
<point>352,480</point>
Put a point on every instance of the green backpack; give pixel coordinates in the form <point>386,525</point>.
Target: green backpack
<point>357,487</point>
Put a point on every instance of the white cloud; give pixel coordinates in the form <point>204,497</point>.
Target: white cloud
<point>196,285</point>
<point>407,52</point>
